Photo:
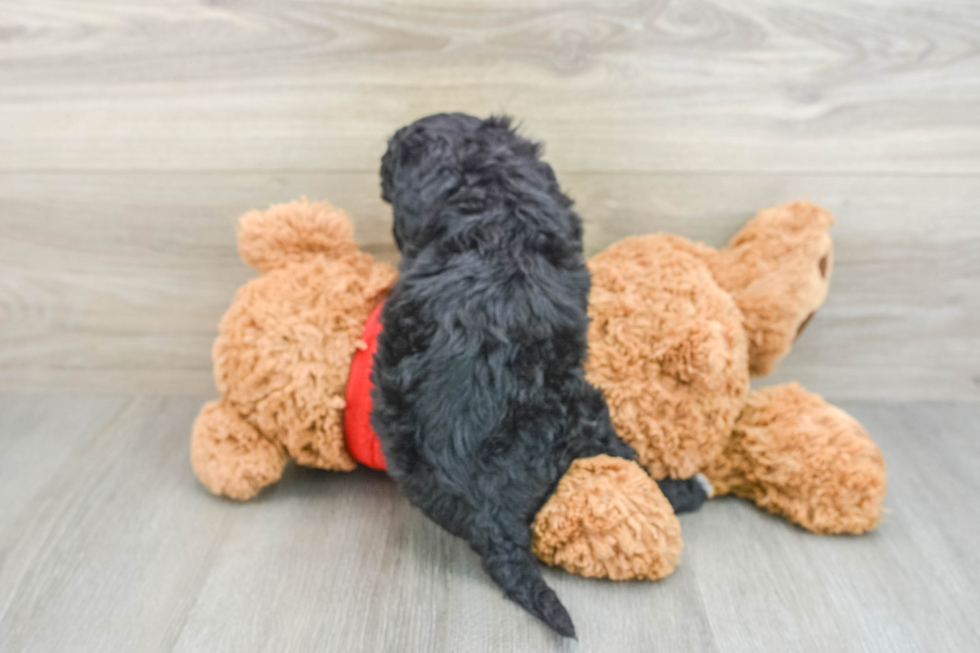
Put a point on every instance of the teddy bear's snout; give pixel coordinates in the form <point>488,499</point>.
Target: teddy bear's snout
<point>803,325</point>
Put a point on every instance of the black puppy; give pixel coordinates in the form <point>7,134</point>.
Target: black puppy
<point>480,399</point>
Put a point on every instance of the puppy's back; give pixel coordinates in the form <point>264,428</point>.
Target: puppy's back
<point>480,402</point>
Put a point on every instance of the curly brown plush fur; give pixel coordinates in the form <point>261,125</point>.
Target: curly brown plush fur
<point>283,352</point>
<point>678,327</point>
<point>837,482</point>
<point>667,347</point>
<point>674,382</point>
<point>777,269</point>
<point>606,519</point>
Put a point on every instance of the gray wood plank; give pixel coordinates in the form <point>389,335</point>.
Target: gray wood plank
<point>116,283</point>
<point>109,554</point>
<point>40,438</point>
<point>121,549</point>
<point>909,586</point>
<point>383,578</point>
<point>753,85</point>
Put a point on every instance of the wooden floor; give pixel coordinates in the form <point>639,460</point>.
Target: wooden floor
<point>108,543</point>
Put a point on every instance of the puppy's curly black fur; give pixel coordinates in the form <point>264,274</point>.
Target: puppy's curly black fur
<point>480,399</point>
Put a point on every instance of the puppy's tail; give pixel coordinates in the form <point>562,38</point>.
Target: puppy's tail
<point>516,571</point>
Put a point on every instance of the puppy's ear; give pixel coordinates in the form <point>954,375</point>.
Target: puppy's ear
<point>415,153</point>
<point>420,167</point>
<point>404,141</point>
<point>387,172</point>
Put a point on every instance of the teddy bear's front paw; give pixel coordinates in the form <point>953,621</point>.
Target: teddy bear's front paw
<point>229,456</point>
<point>608,519</point>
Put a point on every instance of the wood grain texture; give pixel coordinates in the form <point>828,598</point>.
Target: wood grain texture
<point>108,543</point>
<point>133,134</point>
<point>752,85</point>
<point>117,282</point>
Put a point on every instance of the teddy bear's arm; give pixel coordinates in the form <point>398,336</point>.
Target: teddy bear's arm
<point>230,456</point>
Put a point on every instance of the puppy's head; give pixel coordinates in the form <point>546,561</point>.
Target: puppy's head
<point>458,159</point>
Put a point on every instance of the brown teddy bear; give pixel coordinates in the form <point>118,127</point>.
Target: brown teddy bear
<point>677,328</point>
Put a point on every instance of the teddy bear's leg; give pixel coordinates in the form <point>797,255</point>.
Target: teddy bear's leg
<point>794,454</point>
<point>608,519</point>
<point>230,457</point>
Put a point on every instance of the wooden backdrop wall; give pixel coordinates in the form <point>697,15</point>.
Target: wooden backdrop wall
<point>132,134</point>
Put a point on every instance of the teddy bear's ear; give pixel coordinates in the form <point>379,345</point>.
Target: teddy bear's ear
<point>286,233</point>
<point>778,271</point>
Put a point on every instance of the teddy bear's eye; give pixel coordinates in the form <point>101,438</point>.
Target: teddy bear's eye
<point>823,267</point>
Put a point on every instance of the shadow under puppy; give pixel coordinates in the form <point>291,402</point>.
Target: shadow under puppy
<point>480,399</point>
